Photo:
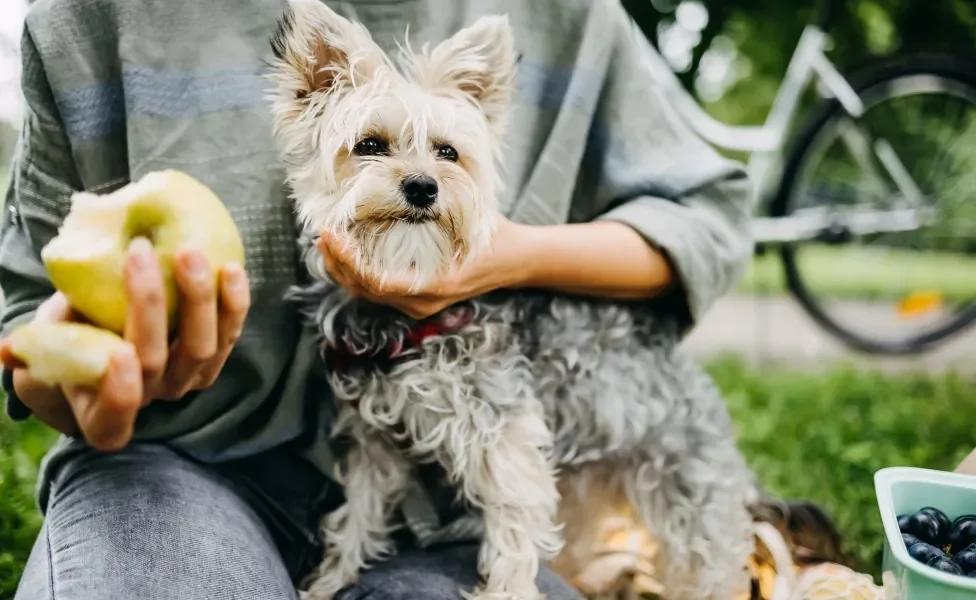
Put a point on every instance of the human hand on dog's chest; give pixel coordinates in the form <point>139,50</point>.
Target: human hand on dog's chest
<point>502,265</point>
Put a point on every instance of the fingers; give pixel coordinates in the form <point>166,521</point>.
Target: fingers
<point>206,335</point>
<point>342,273</point>
<point>339,260</point>
<point>418,308</point>
<point>9,361</point>
<point>235,302</point>
<point>54,309</point>
<point>106,417</point>
<point>196,343</point>
<point>145,321</point>
<point>337,270</point>
<point>47,403</point>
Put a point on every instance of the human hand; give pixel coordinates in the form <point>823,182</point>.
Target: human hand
<point>150,367</point>
<point>211,319</point>
<point>503,265</point>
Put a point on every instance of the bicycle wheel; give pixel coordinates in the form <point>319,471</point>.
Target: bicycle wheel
<point>891,289</point>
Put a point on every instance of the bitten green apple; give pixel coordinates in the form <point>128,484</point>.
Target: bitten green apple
<point>169,208</point>
<point>85,263</point>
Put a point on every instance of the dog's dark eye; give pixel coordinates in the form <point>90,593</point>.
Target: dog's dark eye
<point>370,146</point>
<point>447,153</point>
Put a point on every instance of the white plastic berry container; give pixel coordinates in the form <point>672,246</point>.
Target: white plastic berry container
<point>904,490</point>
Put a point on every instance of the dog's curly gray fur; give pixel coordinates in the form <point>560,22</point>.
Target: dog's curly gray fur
<point>533,383</point>
<point>616,390</point>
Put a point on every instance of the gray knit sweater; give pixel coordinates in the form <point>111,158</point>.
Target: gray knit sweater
<point>116,89</point>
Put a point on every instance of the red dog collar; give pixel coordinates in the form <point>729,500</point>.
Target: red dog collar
<point>341,357</point>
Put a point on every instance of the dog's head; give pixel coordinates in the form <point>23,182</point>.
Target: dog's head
<point>404,161</point>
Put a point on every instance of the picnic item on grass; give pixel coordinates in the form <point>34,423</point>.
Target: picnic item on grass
<point>621,566</point>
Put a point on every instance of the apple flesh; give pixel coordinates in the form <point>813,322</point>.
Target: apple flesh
<point>85,262</point>
<point>64,353</point>
<point>169,208</point>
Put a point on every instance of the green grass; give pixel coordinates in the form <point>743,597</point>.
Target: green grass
<point>868,273</point>
<point>822,436</point>
<point>817,436</point>
<point>21,447</point>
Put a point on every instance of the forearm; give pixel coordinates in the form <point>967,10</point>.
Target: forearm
<point>603,258</point>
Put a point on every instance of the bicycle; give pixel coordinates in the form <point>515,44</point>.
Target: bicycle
<point>886,204</point>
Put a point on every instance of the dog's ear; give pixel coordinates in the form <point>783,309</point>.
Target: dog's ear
<point>479,62</point>
<point>318,50</point>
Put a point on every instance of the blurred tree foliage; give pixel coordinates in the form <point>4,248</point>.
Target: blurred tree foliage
<point>765,33</point>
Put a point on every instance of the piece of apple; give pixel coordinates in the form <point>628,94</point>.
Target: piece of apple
<point>85,263</point>
<point>169,208</point>
<point>64,353</point>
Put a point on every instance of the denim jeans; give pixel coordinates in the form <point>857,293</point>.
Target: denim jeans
<point>148,523</point>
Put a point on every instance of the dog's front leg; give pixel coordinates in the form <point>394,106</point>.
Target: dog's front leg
<point>374,478</point>
<point>506,472</point>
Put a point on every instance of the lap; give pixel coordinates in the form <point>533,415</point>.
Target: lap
<point>439,573</point>
<point>148,524</point>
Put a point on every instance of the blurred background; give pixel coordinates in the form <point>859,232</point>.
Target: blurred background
<point>817,416</point>
<point>732,56</point>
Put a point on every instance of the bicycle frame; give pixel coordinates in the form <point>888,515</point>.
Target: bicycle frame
<point>765,143</point>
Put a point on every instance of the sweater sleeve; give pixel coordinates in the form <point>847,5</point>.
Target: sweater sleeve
<point>42,178</point>
<point>644,167</point>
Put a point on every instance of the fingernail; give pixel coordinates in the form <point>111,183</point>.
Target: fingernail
<point>83,398</point>
<point>195,264</point>
<point>129,371</point>
<point>54,308</point>
<point>140,249</point>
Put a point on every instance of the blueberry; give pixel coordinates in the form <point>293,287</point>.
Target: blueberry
<point>963,531</point>
<point>944,564</point>
<point>945,523</point>
<point>966,558</point>
<point>903,523</point>
<point>927,527</point>
<point>923,552</point>
<point>909,540</point>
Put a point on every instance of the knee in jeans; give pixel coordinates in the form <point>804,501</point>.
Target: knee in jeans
<point>438,574</point>
<point>420,585</point>
<point>114,518</point>
<point>406,586</point>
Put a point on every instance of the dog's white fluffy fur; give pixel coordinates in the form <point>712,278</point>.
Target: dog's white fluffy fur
<point>532,381</point>
<point>350,90</point>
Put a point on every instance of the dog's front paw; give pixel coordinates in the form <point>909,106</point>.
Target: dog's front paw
<point>482,593</point>
<point>332,576</point>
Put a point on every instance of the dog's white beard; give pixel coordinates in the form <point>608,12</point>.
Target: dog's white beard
<point>397,249</point>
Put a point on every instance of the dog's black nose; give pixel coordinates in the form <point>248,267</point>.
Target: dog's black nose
<point>419,190</point>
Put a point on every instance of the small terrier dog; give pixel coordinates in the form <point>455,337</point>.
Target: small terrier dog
<point>503,390</point>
